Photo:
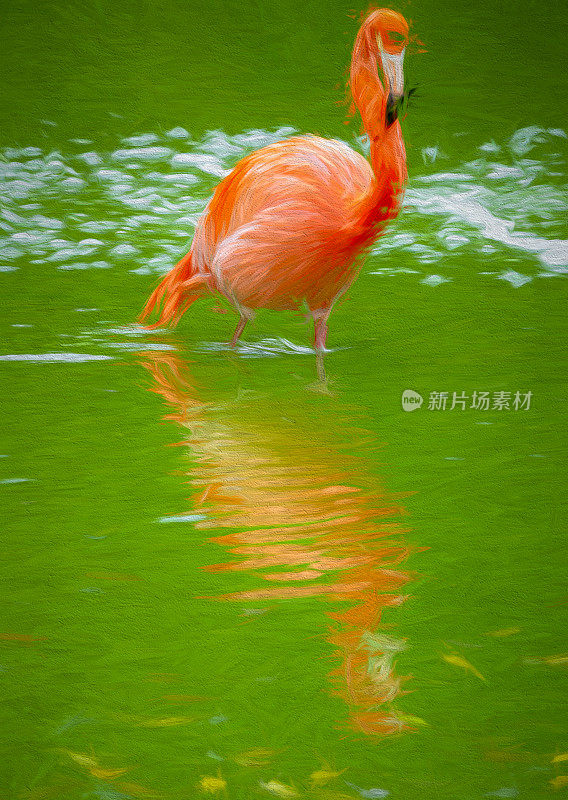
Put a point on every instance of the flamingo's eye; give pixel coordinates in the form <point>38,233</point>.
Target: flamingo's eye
<point>394,40</point>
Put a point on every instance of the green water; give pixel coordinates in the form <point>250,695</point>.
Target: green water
<point>212,569</point>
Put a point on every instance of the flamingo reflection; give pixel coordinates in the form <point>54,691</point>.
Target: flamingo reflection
<point>284,491</point>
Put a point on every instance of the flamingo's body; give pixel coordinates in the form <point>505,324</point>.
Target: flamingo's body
<point>287,226</point>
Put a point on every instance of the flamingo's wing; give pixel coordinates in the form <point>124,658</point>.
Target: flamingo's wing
<point>284,255</point>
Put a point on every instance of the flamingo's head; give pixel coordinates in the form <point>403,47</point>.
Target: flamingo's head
<point>390,32</point>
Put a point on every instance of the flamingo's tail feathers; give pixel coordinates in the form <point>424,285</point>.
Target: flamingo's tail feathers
<point>181,287</point>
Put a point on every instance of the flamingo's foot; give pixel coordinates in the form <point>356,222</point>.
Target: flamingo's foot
<point>238,331</point>
<point>320,387</point>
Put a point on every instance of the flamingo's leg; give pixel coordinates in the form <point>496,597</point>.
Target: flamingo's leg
<point>320,367</point>
<point>238,330</point>
<point>320,327</point>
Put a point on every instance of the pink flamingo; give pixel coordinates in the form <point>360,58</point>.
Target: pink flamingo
<point>290,223</point>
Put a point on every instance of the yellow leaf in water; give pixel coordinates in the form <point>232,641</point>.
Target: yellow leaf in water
<point>107,774</point>
<point>410,719</point>
<point>559,782</point>
<point>81,759</point>
<point>556,660</point>
<point>460,661</point>
<point>257,757</point>
<point>323,776</point>
<point>562,757</point>
<point>166,722</point>
<point>213,785</point>
<point>279,789</point>
<point>503,632</point>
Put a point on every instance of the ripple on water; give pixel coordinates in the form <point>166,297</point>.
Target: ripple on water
<point>266,348</point>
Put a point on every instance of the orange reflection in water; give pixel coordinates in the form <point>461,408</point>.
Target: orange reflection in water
<point>305,513</point>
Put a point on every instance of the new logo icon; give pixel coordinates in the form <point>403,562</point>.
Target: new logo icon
<point>411,400</point>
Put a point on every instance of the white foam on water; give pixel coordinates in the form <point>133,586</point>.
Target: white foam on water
<point>183,518</point>
<point>131,330</point>
<point>142,346</point>
<point>490,147</point>
<point>112,175</point>
<point>52,358</point>
<point>142,140</point>
<point>254,139</point>
<point>142,154</point>
<point>90,158</point>
<point>47,222</point>
<point>181,179</point>
<point>516,279</point>
<point>468,208</point>
<point>65,255</point>
<point>146,193</point>
<point>178,133</point>
<point>159,264</point>
<point>123,251</point>
<point>100,226</point>
<point>10,252</point>
<point>435,280</point>
<point>430,154</point>
<point>209,164</point>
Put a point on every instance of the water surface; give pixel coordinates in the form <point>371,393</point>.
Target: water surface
<point>221,577</point>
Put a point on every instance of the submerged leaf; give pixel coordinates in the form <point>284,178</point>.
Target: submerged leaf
<point>460,661</point>
<point>503,632</point>
<point>410,719</point>
<point>561,757</point>
<point>279,789</point>
<point>556,660</point>
<point>107,774</point>
<point>212,784</point>
<point>559,782</point>
<point>323,776</point>
<point>257,757</point>
<point>81,758</point>
<point>166,722</point>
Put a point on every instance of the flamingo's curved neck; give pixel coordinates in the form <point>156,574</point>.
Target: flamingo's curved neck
<point>388,156</point>
<point>388,159</point>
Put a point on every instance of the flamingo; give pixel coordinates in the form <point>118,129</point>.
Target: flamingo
<point>287,228</point>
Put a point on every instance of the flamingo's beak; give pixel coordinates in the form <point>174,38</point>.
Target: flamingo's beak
<point>393,70</point>
<point>392,66</point>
